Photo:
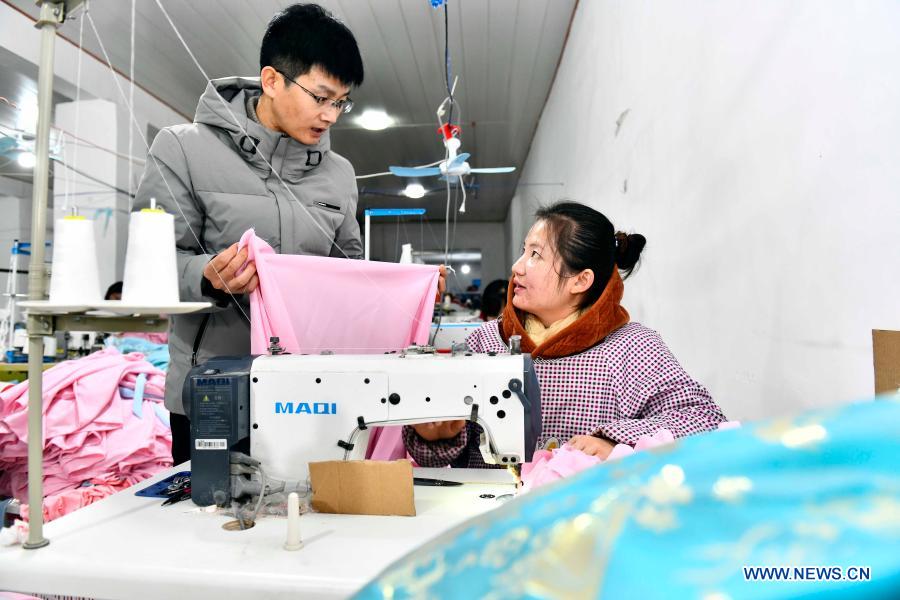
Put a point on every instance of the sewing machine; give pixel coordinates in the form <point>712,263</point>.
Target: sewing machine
<point>286,411</point>
<point>446,335</point>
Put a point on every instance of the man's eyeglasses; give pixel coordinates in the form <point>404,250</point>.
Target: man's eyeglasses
<point>342,106</point>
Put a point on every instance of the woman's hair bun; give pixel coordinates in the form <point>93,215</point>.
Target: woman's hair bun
<point>628,250</point>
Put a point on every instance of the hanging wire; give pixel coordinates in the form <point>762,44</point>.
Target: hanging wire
<point>84,12</point>
<point>462,206</point>
<point>200,245</point>
<point>80,141</point>
<point>131,106</point>
<point>80,173</point>
<point>447,63</point>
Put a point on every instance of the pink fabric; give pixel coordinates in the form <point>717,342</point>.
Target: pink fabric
<point>69,500</point>
<point>16,533</point>
<point>660,438</point>
<point>548,466</point>
<point>386,443</point>
<point>312,303</point>
<point>89,430</point>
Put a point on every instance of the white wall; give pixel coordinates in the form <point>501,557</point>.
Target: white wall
<point>760,149</point>
<point>486,237</point>
<point>97,83</point>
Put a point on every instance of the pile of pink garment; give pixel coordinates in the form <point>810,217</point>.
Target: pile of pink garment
<point>313,304</point>
<point>68,500</point>
<point>548,466</point>
<point>103,422</point>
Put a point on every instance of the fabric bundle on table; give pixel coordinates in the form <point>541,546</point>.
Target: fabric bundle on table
<point>690,519</point>
<point>313,303</point>
<point>104,426</point>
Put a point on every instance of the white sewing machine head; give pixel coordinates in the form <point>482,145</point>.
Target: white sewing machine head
<point>289,410</point>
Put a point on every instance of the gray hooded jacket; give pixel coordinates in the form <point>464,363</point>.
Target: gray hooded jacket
<point>216,183</point>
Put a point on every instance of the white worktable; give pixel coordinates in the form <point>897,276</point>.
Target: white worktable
<point>128,546</point>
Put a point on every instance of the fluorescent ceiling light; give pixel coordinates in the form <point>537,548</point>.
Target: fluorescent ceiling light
<point>466,269</point>
<point>376,120</point>
<point>26,160</point>
<point>414,190</point>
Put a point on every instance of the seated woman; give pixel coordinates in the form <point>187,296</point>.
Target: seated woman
<point>604,380</point>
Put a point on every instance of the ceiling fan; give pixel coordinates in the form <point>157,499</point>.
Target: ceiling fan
<point>454,165</point>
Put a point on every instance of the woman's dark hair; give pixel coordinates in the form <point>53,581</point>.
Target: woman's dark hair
<point>494,298</point>
<point>303,36</point>
<point>115,288</point>
<point>585,239</point>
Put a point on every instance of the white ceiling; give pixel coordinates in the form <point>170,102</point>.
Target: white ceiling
<point>505,53</point>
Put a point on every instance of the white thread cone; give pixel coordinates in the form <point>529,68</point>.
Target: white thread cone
<point>406,255</point>
<point>75,277</point>
<point>151,274</point>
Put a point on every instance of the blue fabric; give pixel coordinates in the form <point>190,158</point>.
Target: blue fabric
<point>128,394</point>
<point>162,414</point>
<point>681,521</point>
<point>137,403</point>
<point>156,354</point>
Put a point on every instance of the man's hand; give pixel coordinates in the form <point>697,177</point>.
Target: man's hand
<point>442,284</point>
<point>222,271</point>
<point>439,430</point>
<point>592,445</point>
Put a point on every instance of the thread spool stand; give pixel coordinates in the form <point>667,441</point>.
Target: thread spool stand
<point>42,317</point>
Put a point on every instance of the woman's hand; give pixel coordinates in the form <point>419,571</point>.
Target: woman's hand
<point>439,430</point>
<point>591,445</point>
<point>224,271</point>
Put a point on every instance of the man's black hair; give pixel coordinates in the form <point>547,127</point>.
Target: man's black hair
<point>303,36</point>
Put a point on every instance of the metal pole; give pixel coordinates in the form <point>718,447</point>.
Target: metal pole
<point>52,14</point>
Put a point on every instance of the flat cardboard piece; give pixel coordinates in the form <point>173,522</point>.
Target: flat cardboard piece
<point>363,487</point>
<point>886,355</point>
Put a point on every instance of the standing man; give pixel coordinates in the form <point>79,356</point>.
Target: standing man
<point>258,155</point>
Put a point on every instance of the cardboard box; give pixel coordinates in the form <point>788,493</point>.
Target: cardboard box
<point>363,487</point>
<point>886,355</point>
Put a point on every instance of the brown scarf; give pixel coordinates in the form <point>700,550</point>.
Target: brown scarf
<point>595,323</point>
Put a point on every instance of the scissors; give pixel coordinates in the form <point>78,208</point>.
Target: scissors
<point>182,494</point>
<point>178,490</point>
<point>435,482</point>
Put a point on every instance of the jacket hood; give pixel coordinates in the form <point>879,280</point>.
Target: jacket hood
<point>224,106</point>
